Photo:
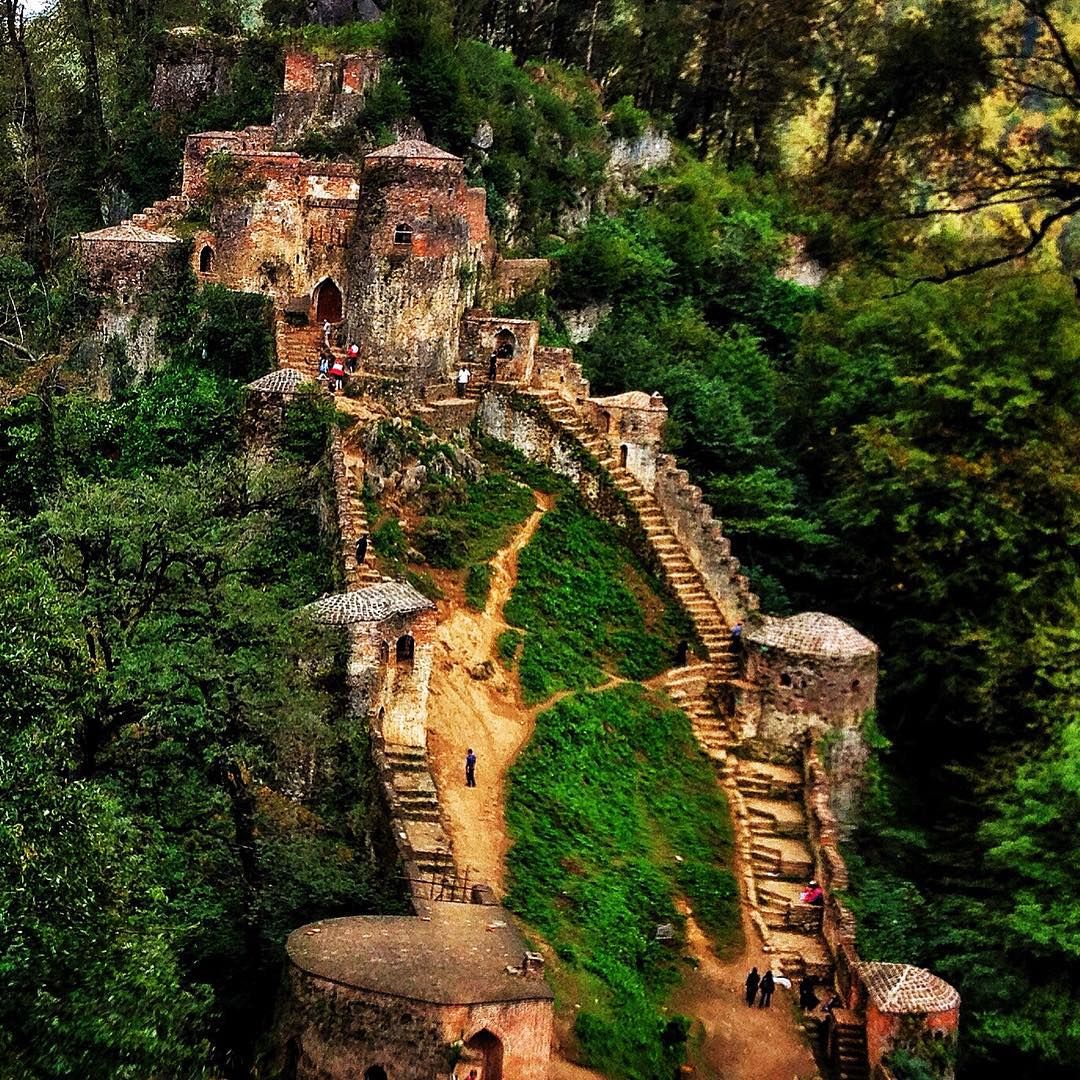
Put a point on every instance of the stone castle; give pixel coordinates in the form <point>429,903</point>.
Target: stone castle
<point>396,254</point>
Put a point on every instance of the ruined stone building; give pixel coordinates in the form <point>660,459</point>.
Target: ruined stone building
<point>396,254</point>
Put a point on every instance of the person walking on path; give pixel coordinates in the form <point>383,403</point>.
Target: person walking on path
<point>326,328</point>
<point>470,768</point>
<point>752,981</point>
<point>768,985</point>
<point>463,377</point>
<point>352,357</point>
<point>324,362</point>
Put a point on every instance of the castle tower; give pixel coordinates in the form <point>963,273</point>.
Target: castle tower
<point>420,241</point>
<point>391,629</point>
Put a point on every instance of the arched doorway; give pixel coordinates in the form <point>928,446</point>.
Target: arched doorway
<point>624,451</point>
<point>406,647</point>
<point>483,1057</point>
<point>505,344</point>
<point>376,1072</point>
<point>206,260</point>
<point>328,302</point>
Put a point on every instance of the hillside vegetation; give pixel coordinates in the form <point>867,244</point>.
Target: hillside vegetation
<point>896,443</point>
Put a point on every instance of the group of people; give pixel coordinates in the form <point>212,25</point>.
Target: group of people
<point>762,985</point>
<point>331,366</point>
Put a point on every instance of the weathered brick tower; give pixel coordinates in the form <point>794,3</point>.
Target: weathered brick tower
<point>419,248</point>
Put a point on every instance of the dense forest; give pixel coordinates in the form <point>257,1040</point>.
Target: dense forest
<point>884,414</point>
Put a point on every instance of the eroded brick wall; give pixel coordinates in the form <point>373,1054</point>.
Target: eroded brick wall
<point>797,693</point>
<point>333,1032</point>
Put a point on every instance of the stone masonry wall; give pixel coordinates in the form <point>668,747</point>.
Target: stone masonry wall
<point>333,1032</point>
<point>703,540</point>
<point>406,300</point>
<point>838,923</point>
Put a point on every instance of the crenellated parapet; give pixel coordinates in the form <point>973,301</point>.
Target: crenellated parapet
<point>702,538</point>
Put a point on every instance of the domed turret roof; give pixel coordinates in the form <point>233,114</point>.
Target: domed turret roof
<point>371,604</point>
<point>812,633</point>
<point>902,988</point>
<point>281,381</point>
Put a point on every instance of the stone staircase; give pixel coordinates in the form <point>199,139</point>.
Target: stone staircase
<point>364,573</point>
<point>299,346</point>
<point>769,802</point>
<point>414,808</point>
<point>688,687</point>
<point>162,214</point>
<point>681,574</point>
<point>847,1046</point>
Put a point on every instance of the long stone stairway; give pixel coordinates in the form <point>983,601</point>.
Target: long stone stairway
<point>769,804</point>
<point>299,346</point>
<point>681,574</point>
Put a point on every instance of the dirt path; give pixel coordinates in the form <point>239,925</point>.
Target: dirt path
<point>484,713</point>
<point>740,1043</point>
<point>488,715</point>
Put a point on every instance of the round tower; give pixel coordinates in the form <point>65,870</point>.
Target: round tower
<point>414,262</point>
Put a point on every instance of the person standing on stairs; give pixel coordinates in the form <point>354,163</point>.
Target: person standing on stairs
<point>470,768</point>
<point>493,365</point>
<point>337,376</point>
<point>352,357</point>
<point>326,328</point>
<point>736,637</point>
<point>361,548</point>
<point>752,981</point>
<point>768,985</point>
<point>463,377</point>
<point>324,362</point>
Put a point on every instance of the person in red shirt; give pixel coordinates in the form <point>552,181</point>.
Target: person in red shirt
<point>812,894</point>
<point>337,376</point>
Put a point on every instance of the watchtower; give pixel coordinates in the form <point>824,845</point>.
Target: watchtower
<point>391,629</point>
<point>419,244</point>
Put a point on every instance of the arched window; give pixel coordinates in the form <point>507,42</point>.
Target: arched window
<point>624,452</point>
<point>406,647</point>
<point>505,344</point>
<point>403,234</point>
<point>785,678</point>
<point>376,1072</point>
<point>206,260</point>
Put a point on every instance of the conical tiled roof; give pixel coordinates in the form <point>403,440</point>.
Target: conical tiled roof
<point>812,633</point>
<point>281,381</point>
<point>412,148</point>
<point>902,988</point>
<point>372,604</point>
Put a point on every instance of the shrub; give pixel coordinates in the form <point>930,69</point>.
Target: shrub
<point>507,646</point>
<point>478,585</point>
<point>627,121</point>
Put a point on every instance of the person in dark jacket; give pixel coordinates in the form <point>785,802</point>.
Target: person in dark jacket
<point>470,768</point>
<point>752,981</point>
<point>767,988</point>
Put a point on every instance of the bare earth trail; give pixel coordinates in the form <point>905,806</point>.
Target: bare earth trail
<point>488,715</point>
